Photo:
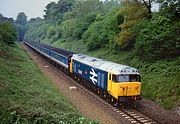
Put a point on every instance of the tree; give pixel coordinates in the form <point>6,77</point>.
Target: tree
<point>133,12</point>
<point>1,16</point>
<point>171,9</point>
<point>21,31</point>
<point>55,11</point>
<point>8,33</point>
<point>101,33</point>
<point>49,11</point>
<point>5,19</point>
<point>21,19</point>
<point>83,7</point>
<point>20,24</point>
<point>157,39</point>
<point>36,29</point>
<point>145,3</point>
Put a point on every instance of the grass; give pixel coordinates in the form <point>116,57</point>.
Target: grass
<point>27,96</point>
<point>160,79</point>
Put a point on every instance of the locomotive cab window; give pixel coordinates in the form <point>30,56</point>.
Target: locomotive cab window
<point>134,78</point>
<point>126,78</point>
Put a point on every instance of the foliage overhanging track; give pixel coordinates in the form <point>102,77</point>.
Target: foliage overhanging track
<point>131,115</point>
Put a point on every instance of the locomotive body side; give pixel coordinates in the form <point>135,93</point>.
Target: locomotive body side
<point>92,75</point>
<point>119,82</point>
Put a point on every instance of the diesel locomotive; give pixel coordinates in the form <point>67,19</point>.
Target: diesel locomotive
<point>119,84</point>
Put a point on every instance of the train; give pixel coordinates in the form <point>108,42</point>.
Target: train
<point>116,83</point>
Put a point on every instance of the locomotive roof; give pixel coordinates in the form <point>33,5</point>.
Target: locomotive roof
<point>105,65</point>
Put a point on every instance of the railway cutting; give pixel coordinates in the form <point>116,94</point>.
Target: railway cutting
<point>129,115</point>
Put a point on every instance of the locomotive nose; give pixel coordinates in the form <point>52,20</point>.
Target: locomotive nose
<point>129,89</point>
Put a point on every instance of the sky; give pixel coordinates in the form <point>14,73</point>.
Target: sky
<point>32,8</point>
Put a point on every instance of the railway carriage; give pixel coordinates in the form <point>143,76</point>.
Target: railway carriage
<point>118,83</point>
<point>62,58</point>
<point>59,57</point>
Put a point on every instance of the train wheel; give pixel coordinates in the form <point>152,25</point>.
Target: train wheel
<point>108,98</point>
<point>115,103</point>
<point>112,99</point>
<point>134,104</point>
<point>105,95</point>
<point>98,91</point>
<point>120,105</point>
<point>75,77</point>
<point>78,79</point>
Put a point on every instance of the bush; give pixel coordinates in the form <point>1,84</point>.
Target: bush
<point>74,28</point>
<point>8,34</point>
<point>37,30</point>
<point>157,39</point>
<point>103,31</point>
<point>51,31</point>
<point>21,31</point>
<point>126,40</point>
<point>132,13</point>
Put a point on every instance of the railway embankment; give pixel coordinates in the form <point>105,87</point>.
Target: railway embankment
<point>27,96</point>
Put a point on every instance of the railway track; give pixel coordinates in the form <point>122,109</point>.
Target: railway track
<point>131,115</point>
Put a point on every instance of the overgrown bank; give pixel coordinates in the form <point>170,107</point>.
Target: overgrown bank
<point>27,96</point>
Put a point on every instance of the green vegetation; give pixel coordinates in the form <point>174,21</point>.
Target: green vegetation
<point>8,36</point>
<point>27,96</point>
<point>157,39</point>
<point>127,32</point>
<point>20,23</point>
<point>126,37</point>
<point>71,23</point>
<point>100,33</point>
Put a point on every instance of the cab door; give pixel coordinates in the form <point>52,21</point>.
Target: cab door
<point>109,83</point>
<point>70,65</point>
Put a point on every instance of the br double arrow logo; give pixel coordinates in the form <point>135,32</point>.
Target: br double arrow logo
<point>93,76</point>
